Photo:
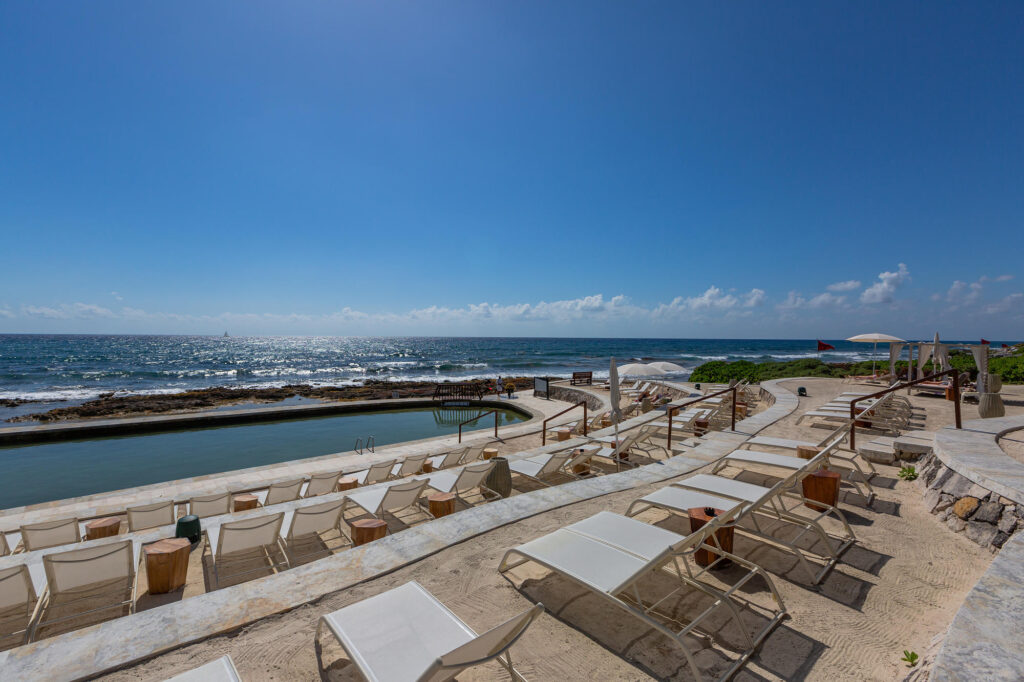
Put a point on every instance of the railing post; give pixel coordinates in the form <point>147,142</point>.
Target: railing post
<point>671,411</point>
<point>495,423</point>
<point>585,418</point>
<point>956,398</point>
<point>733,427</point>
<point>853,425</point>
<point>460,433</point>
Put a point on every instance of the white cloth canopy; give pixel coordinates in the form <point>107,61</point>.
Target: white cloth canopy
<point>667,366</point>
<point>636,369</point>
<point>875,338</point>
<point>980,354</point>
<point>924,354</point>
<point>894,353</point>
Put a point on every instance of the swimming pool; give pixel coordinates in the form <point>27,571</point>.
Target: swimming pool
<point>55,471</point>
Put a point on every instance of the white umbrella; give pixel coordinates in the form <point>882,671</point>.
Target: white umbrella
<point>636,369</point>
<point>667,366</point>
<point>875,338</point>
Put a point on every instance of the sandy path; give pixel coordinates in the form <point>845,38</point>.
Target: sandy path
<point>896,589</point>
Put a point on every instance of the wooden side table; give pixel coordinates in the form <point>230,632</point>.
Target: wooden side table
<point>441,504</point>
<point>167,564</point>
<point>704,557</point>
<point>427,467</point>
<point>102,528</point>
<point>606,422</point>
<point>368,530</point>
<point>701,427</point>
<point>490,453</point>
<point>245,502</point>
<point>807,451</point>
<point>563,434</point>
<point>348,483</point>
<point>821,486</point>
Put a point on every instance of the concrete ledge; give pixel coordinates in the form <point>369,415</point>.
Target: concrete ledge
<point>974,453</point>
<point>89,652</point>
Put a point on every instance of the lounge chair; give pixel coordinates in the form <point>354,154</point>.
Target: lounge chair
<point>448,459</point>
<point>5,549</point>
<point>407,635</point>
<point>307,524</point>
<point>409,466</point>
<point>793,464</point>
<point>461,482</point>
<point>322,484</point>
<point>541,467</point>
<point>609,555</point>
<point>375,474</point>
<point>705,490</point>
<point>210,505</point>
<point>281,491</point>
<point>17,602</point>
<point>102,577</point>
<point>243,540</point>
<point>50,534</point>
<point>473,453</point>
<point>389,499</point>
<point>221,670</point>
<point>150,516</point>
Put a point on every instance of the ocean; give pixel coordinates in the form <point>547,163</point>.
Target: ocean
<point>74,368</point>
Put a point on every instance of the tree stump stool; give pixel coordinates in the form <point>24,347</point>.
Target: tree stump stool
<point>807,451</point>
<point>701,427</point>
<point>563,434</point>
<point>949,393</point>
<point>246,501</point>
<point>704,557</point>
<point>580,469</point>
<point>441,504</point>
<point>427,467</point>
<point>368,530</point>
<point>167,564</point>
<point>606,422</point>
<point>348,483</point>
<point>490,453</point>
<point>822,486</point>
<point>102,528</point>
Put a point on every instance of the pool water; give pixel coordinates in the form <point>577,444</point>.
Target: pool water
<point>55,471</point>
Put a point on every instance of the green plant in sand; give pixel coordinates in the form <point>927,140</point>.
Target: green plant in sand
<point>907,473</point>
<point>910,658</point>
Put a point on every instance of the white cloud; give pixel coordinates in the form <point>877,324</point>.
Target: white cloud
<point>117,296</point>
<point>68,311</point>
<point>962,293</point>
<point>848,285</point>
<point>1004,278</point>
<point>754,298</point>
<point>885,288</point>
<point>6,312</point>
<point>1014,303</point>
<point>795,300</point>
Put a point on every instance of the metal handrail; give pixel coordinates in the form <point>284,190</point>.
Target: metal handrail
<point>955,373</point>
<point>544,425</point>
<point>370,443</point>
<point>672,410</point>
<point>479,416</point>
<point>358,447</point>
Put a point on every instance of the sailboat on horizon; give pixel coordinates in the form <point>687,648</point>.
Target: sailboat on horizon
<point>226,335</point>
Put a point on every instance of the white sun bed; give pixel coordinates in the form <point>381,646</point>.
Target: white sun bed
<point>461,482</point>
<point>221,670</point>
<point>321,484</point>
<point>150,516</point>
<point>246,537</point>
<point>407,635</point>
<point>392,498</point>
<point>375,474</point>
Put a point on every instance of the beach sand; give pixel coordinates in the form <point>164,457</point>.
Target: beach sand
<point>896,589</point>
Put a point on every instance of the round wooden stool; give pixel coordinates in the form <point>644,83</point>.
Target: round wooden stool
<point>102,528</point>
<point>427,467</point>
<point>704,557</point>
<point>490,453</point>
<point>701,427</point>
<point>167,564</point>
<point>348,483</point>
<point>368,530</point>
<point>807,451</point>
<point>441,504</point>
<point>563,434</point>
<point>606,422</point>
<point>246,501</point>
<point>822,486</point>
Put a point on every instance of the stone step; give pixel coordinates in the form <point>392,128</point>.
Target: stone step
<point>915,443</point>
<point>879,450</point>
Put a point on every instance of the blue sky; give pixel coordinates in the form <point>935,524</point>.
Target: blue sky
<point>665,169</point>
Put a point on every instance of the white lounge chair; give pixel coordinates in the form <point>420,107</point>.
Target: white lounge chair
<point>378,500</point>
<point>308,525</point>
<point>461,482</point>
<point>281,491</point>
<point>541,467</point>
<point>17,602</point>
<point>246,540</point>
<point>322,484</point>
<point>448,459</point>
<point>210,505</point>
<point>150,516</point>
<point>221,670</point>
<point>377,473</point>
<point>50,534</point>
<point>409,466</point>
<point>609,554</point>
<point>407,635</point>
<point>5,549</point>
<point>102,576</point>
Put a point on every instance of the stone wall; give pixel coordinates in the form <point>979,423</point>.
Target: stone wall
<point>967,507</point>
<point>571,394</point>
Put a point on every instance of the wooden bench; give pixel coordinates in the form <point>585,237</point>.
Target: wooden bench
<point>581,378</point>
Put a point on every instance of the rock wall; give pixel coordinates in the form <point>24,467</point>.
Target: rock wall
<point>983,516</point>
<point>570,394</point>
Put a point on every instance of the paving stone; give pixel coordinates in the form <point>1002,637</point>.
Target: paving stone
<point>965,506</point>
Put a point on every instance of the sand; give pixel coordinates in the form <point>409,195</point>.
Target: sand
<point>896,589</point>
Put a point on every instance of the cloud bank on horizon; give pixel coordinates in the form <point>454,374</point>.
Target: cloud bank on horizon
<point>843,307</point>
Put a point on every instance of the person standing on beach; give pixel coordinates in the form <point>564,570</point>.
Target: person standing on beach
<point>501,387</point>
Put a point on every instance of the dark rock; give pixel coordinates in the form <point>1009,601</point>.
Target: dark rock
<point>1000,539</point>
<point>945,502</point>
<point>940,480</point>
<point>988,512</point>
<point>1008,521</point>
<point>981,533</point>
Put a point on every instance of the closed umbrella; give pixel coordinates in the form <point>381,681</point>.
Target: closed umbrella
<point>613,382</point>
<point>667,367</point>
<point>637,369</point>
<point>875,338</point>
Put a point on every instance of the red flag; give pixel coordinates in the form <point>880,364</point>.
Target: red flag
<point>1005,346</point>
<point>985,341</point>
<point>824,346</point>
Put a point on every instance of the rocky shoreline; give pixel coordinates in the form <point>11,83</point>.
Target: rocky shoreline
<point>109,405</point>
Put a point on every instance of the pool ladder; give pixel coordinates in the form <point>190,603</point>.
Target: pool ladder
<point>370,444</point>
